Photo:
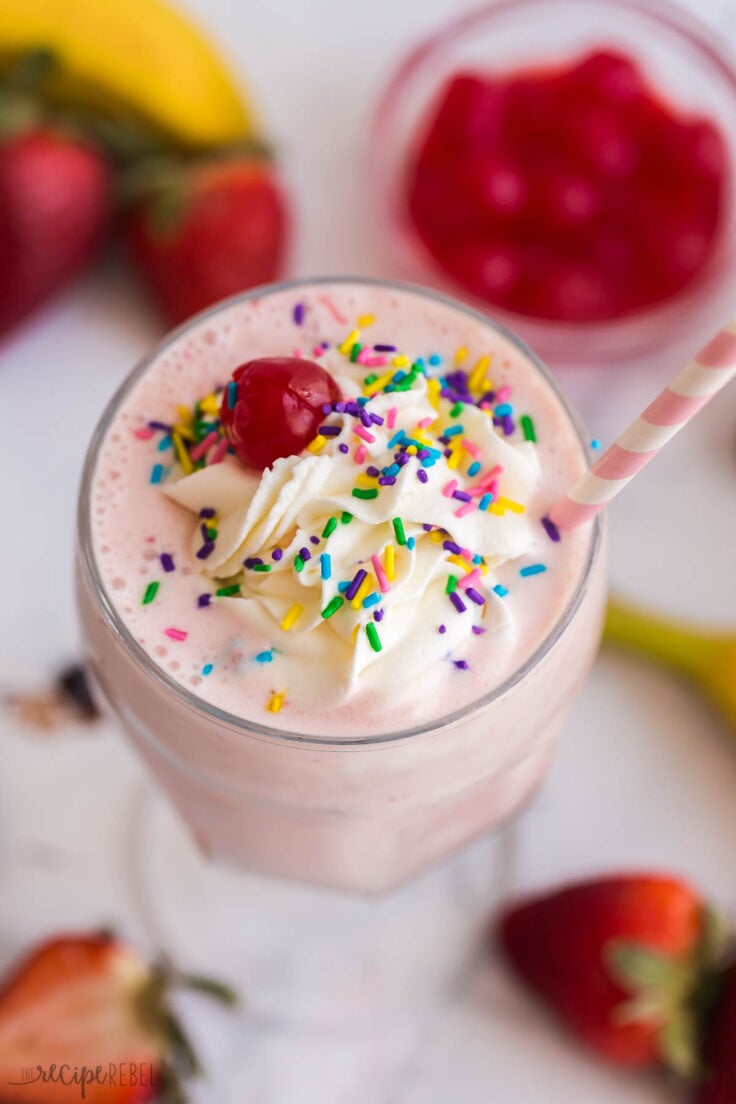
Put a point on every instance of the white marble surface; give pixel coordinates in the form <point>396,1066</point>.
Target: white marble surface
<point>644,776</point>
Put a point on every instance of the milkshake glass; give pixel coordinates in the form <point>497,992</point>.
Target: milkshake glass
<point>353,797</point>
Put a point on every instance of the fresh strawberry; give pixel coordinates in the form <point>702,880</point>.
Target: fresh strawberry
<point>620,960</point>
<point>718,1083</point>
<point>220,228</point>
<point>55,203</point>
<point>87,1002</point>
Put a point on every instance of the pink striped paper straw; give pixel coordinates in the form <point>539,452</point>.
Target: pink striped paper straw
<point>696,385</point>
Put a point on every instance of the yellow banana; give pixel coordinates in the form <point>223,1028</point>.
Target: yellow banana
<point>139,56</point>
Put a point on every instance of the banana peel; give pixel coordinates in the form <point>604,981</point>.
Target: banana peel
<point>141,60</point>
<point>705,659</point>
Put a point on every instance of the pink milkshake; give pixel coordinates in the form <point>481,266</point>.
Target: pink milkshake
<point>347,664</point>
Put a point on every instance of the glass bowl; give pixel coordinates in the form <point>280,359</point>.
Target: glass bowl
<point>684,61</point>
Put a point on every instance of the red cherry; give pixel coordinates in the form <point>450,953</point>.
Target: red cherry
<point>277,409</point>
<point>566,200</point>
<point>609,76</point>
<point>470,114</point>
<point>597,139</point>
<point>495,185</point>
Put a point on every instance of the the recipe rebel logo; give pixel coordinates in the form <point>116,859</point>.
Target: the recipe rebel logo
<point>121,1075</point>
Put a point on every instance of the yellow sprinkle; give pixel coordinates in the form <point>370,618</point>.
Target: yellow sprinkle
<point>496,508</point>
<point>210,404</point>
<point>182,455</point>
<point>411,450</point>
<point>436,536</point>
<point>433,391</point>
<point>184,432</point>
<point>460,561</point>
<point>401,361</point>
<point>363,591</point>
<point>276,701</point>
<point>478,373</point>
<point>354,634</point>
<point>454,458</point>
<point>366,481</point>
<point>366,319</point>
<point>487,385</point>
<point>349,341</point>
<point>292,616</point>
<point>509,504</point>
<point>317,444</point>
<point>461,355</point>
<point>389,562</point>
<point>185,414</point>
<point>379,384</point>
<point>420,435</point>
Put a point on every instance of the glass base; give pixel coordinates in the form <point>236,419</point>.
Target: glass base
<point>306,958</point>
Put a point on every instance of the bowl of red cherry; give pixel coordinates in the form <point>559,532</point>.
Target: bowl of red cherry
<point>568,166</point>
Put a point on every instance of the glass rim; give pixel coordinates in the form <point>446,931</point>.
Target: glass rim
<point>191,700</point>
<point>634,335</point>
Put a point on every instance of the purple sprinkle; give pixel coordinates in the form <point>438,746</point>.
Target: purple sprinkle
<point>373,471</point>
<point>160,425</point>
<point>489,397</point>
<point>252,561</point>
<point>277,554</point>
<point>461,664</point>
<point>167,561</point>
<point>385,348</point>
<point>339,408</point>
<point>206,550</point>
<point>208,512</point>
<point>204,600</point>
<point>462,496</point>
<point>442,629</point>
<point>551,529</point>
<point>457,602</point>
<point>314,540</point>
<point>508,425</point>
<point>376,419</point>
<point>447,452</point>
<point>427,528</point>
<point>330,431</point>
<point>423,454</point>
<point>343,448</point>
<point>324,344</point>
<point>354,587</point>
<point>353,408</point>
<point>299,312</point>
<point>305,554</point>
<point>475,596</point>
<point>498,422</point>
<point>478,630</point>
<point>450,546</point>
<point>401,459</point>
<point>422,475</point>
<point>387,481</point>
<point>444,439</point>
<point>365,417</point>
<point>203,530</point>
<point>378,615</point>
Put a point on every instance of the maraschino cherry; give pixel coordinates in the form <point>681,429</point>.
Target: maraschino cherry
<point>275,407</point>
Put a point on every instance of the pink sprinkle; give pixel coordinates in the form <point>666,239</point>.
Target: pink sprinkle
<point>472,449</point>
<point>298,354</point>
<point>176,634</point>
<point>383,582</point>
<point>205,444</point>
<point>466,551</point>
<point>425,422</point>
<point>495,470</point>
<point>449,488</point>
<point>362,357</point>
<point>327,302</point>
<point>362,432</point>
<point>360,454</point>
<point>219,454</point>
<point>503,394</point>
<point>373,361</point>
<point>465,509</point>
<point>143,433</point>
<point>471,578</point>
<point>391,417</point>
<point>317,351</point>
<point>493,487</point>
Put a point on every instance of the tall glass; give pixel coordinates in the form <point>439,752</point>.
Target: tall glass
<point>364,813</point>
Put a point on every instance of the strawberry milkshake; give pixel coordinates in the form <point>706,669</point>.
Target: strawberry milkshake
<point>318,582</point>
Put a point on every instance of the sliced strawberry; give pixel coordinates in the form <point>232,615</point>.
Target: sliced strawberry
<point>81,1002</point>
<point>228,232</point>
<point>616,959</point>
<point>55,203</point>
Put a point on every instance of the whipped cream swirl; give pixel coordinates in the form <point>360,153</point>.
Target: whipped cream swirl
<point>326,659</point>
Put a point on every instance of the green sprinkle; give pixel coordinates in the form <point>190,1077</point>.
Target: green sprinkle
<point>370,379</point>
<point>346,517</point>
<point>211,534</point>
<point>373,638</point>
<point>150,594</point>
<point>527,425</point>
<point>451,584</point>
<point>298,563</point>
<point>456,409</point>
<point>228,591</point>
<point>329,528</point>
<point>333,606</point>
<point>358,492</point>
<point>355,351</point>
<point>261,567</point>
<point>399,531</point>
